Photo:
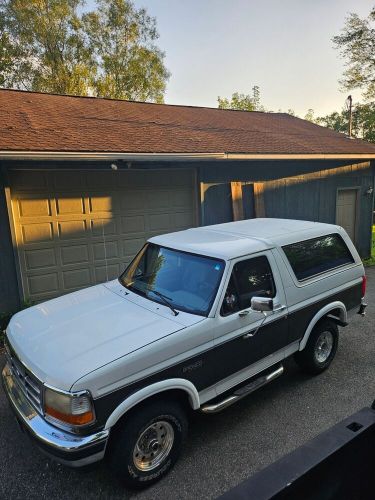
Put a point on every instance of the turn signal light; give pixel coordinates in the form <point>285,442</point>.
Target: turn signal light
<point>84,418</point>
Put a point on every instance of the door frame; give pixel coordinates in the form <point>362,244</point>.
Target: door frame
<point>357,207</point>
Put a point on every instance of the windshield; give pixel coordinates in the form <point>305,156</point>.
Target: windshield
<point>187,281</point>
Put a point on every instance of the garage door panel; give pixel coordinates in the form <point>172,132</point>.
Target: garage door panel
<point>39,258</point>
<point>34,207</point>
<point>75,229</point>
<point>133,224</point>
<point>131,247</point>
<point>180,198</point>
<point>76,278</point>
<point>101,204</point>
<point>43,283</point>
<point>66,180</point>
<point>109,250</point>
<point>70,206</point>
<point>103,273</point>
<point>28,180</point>
<point>157,200</point>
<point>100,179</point>
<point>132,200</point>
<point>72,229</point>
<point>161,222</point>
<point>74,254</point>
<point>183,220</point>
<point>108,227</point>
<point>37,233</point>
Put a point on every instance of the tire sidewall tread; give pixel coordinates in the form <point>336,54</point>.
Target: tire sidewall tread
<point>306,359</point>
<point>129,430</point>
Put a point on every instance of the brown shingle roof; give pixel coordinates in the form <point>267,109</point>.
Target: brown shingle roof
<point>44,122</point>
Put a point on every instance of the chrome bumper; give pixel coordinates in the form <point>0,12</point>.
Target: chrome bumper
<point>69,449</point>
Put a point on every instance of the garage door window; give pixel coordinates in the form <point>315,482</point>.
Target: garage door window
<point>315,256</point>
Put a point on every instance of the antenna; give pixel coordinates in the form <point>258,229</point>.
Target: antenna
<point>105,252</point>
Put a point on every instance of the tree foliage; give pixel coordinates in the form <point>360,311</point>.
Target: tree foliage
<point>357,46</point>
<point>242,102</point>
<point>122,40</point>
<point>45,46</point>
<point>50,46</point>
<point>363,124</point>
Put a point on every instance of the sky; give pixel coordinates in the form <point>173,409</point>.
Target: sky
<point>217,47</point>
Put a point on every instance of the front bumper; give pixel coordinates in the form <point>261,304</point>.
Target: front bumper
<point>67,448</point>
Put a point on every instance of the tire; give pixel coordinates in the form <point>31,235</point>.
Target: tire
<point>147,443</point>
<point>320,349</point>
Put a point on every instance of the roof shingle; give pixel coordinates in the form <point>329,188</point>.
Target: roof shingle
<point>45,122</point>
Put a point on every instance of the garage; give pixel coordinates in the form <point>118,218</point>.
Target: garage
<point>85,181</point>
<point>77,228</point>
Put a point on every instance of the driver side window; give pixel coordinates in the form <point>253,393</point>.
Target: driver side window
<point>249,278</point>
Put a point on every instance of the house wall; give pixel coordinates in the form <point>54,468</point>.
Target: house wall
<point>302,190</point>
<point>9,295</point>
<point>289,190</point>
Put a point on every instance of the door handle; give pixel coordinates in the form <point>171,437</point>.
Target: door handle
<point>279,309</point>
<point>242,314</point>
<point>248,335</point>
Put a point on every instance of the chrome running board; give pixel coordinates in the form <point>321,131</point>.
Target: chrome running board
<point>243,391</point>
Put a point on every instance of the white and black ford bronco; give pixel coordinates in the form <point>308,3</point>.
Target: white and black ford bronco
<point>200,318</point>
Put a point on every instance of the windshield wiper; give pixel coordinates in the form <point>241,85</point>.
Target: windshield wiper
<point>164,299</point>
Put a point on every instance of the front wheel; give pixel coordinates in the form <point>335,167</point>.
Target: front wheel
<point>320,349</point>
<point>148,443</point>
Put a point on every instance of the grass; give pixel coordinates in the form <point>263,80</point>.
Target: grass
<point>371,260</point>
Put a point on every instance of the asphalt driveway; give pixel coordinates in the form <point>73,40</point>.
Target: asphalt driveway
<point>222,449</point>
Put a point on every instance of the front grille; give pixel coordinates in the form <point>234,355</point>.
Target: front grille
<point>29,384</point>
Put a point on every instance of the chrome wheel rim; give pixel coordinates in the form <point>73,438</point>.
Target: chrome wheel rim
<point>153,446</point>
<point>323,347</point>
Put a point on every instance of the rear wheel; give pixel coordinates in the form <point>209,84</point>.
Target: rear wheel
<point>148,443</point>
<point>320,349</point>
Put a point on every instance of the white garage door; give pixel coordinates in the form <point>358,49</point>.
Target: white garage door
<point>75,229</point>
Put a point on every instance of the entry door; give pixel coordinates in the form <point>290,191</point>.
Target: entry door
<point>346,211</point>
<point>237,344</point>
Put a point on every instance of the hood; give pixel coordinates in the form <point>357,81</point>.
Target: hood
<point>66,338</point>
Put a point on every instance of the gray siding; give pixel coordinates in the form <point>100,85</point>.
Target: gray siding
<point>292,190</point>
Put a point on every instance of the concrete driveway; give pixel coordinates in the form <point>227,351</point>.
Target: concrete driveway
<point>222,449</point>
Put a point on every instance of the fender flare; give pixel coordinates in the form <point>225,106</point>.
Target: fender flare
<point>319,315</point>
<point>152,390</point>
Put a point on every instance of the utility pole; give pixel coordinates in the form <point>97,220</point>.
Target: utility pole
<point>350,105</point>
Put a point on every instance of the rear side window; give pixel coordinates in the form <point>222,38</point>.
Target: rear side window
<point>318,255</point>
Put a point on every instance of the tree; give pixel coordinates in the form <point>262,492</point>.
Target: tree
<point>48,46</point>
<point>310,115</point>
<point>363,125</point>
<point>242,102</point>
<point>43,48</point>
<point>122,40</point>
<point>357,46</point>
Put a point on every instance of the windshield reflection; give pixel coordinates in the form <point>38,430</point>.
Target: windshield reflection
<point>188,282</point>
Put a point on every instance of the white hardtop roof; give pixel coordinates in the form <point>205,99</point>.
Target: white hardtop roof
<point>235,239</point>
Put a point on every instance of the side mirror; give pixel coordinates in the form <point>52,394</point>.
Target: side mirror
<point>261,304</point>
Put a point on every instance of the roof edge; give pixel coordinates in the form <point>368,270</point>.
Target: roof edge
<point>94,155</point>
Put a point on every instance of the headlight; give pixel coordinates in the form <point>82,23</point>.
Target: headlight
<point>73,409</point>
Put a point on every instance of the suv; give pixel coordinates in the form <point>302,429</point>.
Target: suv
<point>199,319</point>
